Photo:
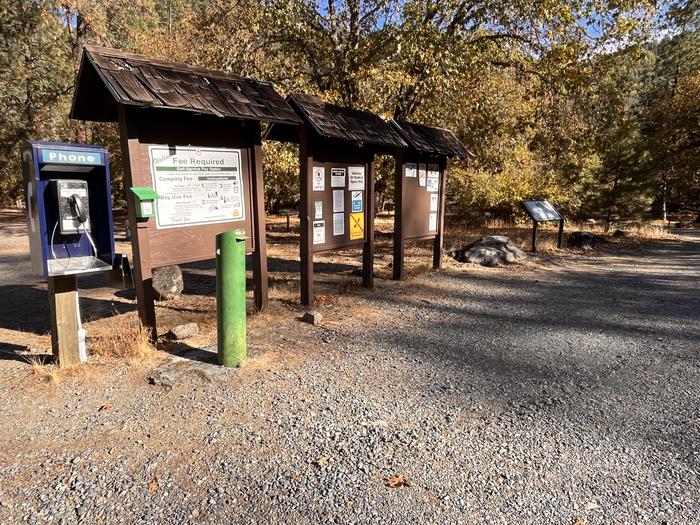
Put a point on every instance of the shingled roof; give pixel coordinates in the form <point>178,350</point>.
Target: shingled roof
<point>338,123</point>
<point>431,140</point>
<point>109,77</point>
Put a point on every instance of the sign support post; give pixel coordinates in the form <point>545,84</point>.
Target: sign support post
<point>437,243</point>
<point>306,256</point>
<point>143,282</point>
<point>368,248</point>
<point>65,324</point>
<point>399,229</point>
<point>258,201</point>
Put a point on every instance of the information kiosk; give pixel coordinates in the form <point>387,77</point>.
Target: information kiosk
<point>337,148</point>
<point>420,188</point>
<point>191,151</point>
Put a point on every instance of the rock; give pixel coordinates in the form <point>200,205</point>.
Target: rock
<point>585,240</point>
<point>312,317</point>
<point>167,282</point>
<point>619,234</point>
<point>491,251</point>
<point>182,331</point>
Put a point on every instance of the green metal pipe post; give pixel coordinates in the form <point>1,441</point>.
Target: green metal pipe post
<point>230,297</point>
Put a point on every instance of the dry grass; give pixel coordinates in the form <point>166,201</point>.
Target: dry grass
<point>123,338</point>
<point>43,371</point>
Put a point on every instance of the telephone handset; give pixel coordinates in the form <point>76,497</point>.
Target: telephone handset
<point>72,206</point>
<point>79,213</point>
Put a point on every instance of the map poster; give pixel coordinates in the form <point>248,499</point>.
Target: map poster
<point>196,186</point>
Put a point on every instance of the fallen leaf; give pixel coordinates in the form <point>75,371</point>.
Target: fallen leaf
<point>397,481</point>
<point>578,522</point>
<point>322,460</point>
<point>153,486</point>
<point>106,406</point>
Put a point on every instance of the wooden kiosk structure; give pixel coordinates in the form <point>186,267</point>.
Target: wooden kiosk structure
<point>336,153</point>
<point>420,188</point>
<point>190,139</point>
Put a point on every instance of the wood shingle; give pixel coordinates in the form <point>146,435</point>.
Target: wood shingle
<point>109,77</point>
<point>333,122</point>
<point>427,139</point>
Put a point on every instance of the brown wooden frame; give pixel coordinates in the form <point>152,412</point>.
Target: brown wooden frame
<point>312,148</point>
<point>405,204</point>
<point>153,248</point>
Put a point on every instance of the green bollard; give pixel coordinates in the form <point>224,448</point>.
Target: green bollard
<point>230,297</point>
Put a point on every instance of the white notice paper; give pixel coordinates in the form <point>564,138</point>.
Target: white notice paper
<point>356,178</point>
<point>338,200</point>
<point>319,232</point>
<point>421,178</point>
<point>433,202</point>
<point>410,169</point>
<point>319,178</point>
<point>433,184</point>
<point>337,177</point>
<point>318,205</point>
<point>433,170</point>
<point>432,222</point>
<point>196,185</point>
<point>421,170</point>
<point>338,223</point>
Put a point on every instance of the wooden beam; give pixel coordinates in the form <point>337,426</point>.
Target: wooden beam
<point>306,256</point>
<point>131,162</point>
<point>399,229</point>
<point>440,237</point>
<point>63,303</point>
<point>368,247</point>
<point>258,199</point>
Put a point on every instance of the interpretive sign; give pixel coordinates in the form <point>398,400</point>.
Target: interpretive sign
<point>196,186</point>
<point>541,211</point>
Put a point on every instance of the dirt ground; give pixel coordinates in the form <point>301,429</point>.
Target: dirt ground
<point>564,388</point>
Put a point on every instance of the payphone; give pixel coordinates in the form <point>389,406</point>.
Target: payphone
<point>69,208</point>
<point>71,230</point>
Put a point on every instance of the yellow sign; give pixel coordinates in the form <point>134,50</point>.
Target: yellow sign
<point>357,226</point>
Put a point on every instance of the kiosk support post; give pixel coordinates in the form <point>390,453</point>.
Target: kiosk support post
<point>306,163</point>
<point>399,230</point>
<point>439,238</point>
<point>139,236</point>
<point>63,301</point>
<point>258,198</point>
<point>368,248</point>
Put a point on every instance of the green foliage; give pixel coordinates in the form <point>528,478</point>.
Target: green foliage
<point>583,103</point>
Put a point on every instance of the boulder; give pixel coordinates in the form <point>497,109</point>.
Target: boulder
<point>585,240</point>
<point>167,282</point>
<point>312,317</point>
<point>493,251</point>
<point>182,331</point>
<point>619,234</point>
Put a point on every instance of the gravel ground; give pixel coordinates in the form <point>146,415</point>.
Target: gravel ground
<point>530,395</point>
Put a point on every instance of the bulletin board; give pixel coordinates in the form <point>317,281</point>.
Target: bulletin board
<point>422,181</point>
<point>338,195</point>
